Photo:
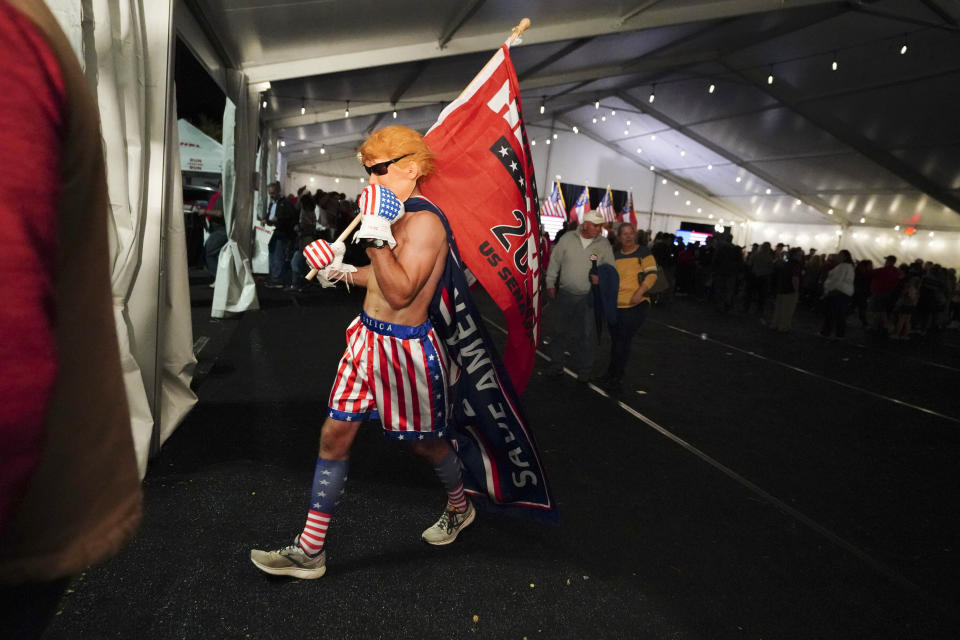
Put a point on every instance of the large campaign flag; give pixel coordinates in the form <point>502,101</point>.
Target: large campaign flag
<point>553,206</point>
<point>606,207</point>
<point>484,181</point>
<point>581,206</point>
<point>629,214</point>
<point>484,192</point>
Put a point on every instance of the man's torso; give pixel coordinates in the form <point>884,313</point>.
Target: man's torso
<point>415,313</point>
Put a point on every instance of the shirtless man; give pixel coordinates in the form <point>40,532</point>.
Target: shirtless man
<point>394,367</point>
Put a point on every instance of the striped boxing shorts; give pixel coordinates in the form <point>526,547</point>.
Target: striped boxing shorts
<point>396,373</point>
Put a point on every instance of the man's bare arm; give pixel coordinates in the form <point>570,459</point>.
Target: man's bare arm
<point>401,273</point>
<point>359,278</point>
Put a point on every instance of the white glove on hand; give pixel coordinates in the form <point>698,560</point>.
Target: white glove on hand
<point>379,208</point>
<point>321,254</point>
<point>330,276</point>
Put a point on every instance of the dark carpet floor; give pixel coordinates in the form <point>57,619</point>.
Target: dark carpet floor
<point>747,484</point>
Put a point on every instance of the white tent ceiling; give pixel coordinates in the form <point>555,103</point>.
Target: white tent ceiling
<point>878,139</point>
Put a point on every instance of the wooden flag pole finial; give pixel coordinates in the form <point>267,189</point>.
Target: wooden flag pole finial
<point>518,31</point>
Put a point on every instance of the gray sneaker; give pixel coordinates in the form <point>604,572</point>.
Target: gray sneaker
<point>450,524</point>
<point>290,561</point>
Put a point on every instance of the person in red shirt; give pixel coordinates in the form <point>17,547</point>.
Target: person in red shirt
<point>884,284</point>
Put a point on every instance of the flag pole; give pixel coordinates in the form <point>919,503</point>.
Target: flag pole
<point>518,30</point>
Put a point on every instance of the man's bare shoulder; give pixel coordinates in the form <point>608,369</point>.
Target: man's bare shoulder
<point>422,223</point>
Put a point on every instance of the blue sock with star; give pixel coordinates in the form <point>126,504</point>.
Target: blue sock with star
<point>329,477</point>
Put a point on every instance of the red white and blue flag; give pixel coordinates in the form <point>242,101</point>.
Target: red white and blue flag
<point>484,181</point>
<point>553,206</point>
<point>581,206</point>
<point>629,214</point>
<point>606,207</point>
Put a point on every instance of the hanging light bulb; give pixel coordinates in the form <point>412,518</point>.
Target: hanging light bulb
<point>769,192</point>
<point>653,137</point>
<point>554,136</point>
<point>770,76</point>
<point>628,123</point>
<point>739,179</point>
<point>626,132</point>
<point>903,46</point>
<point>533,143</point>
<point>682,153</point>
<point>346,111</point>
<point>394,111</point>
<point>676,192</point>
<point>653,94</point>
<point>862,220</point>
<point>709,167</point>
<point>264,103</point>
<point>834,65</point>
<point>576,129</point>
<point>594,121</point>
<point>896,228</point>
<point>830,212</point>
<point>613,112</point>
<point>639,150</point>
<point>283,142</point>
<point>303,107</point>
<point>543,105</point>
<point>664,181</point>
<point>323,149</point>
<point>712,88</point>
<point>337,180</point>
<point>596,104</point>
<point>652,168</point>
<point>603,118</point>
<point>548,140</point>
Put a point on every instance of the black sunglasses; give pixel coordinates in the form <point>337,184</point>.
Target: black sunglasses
<point>381,168</point>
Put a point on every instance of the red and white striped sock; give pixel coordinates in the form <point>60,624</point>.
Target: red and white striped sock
<point>314,532</point>
<point>452,479</point>
<point>457,499</point>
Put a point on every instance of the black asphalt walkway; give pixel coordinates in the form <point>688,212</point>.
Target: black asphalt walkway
<point>747,485</point>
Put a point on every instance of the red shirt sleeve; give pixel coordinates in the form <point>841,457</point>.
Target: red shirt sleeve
<point>31,122</point>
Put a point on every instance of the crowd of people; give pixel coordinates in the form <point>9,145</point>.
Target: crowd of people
<point>895,299</point>
<point>297,220</point>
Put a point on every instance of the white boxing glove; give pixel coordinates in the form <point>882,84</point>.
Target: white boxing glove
<point>321,254</point>
<point>379,208</point>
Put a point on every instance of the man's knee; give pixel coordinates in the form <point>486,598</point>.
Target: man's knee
<point>336,437</point>
<point>431,450</point>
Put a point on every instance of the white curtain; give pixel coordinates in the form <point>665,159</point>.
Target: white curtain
<point>126,50</point>
<point>235,290</point>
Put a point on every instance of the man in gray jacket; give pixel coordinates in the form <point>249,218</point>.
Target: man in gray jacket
<point>568,286</point>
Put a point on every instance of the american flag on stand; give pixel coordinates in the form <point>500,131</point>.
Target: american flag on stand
<point>553,206</point>
<point>629,214</point>
<point>581,206</point>
<point>606,207</point>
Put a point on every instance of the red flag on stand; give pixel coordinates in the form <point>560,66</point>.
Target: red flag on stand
<point>484,182</point>
<point>629,214</point>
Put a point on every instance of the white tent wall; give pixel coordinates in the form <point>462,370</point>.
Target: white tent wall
<point>198,151</point>
<point>578,159</point>
<point>296,179</point>
<point>126,50</point>
<point>874,243</point>
<point>235,290</point>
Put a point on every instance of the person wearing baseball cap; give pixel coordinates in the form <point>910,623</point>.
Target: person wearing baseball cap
<point>568,286</point>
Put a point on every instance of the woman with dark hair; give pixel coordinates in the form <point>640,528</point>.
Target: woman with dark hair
<point>837,292</point>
